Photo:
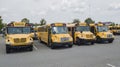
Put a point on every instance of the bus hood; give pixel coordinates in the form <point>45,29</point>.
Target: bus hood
<point>62,38</point>
<point>87,32</point>
<point>84,33</point>
<point>61,35</point>
<point>105,34</point>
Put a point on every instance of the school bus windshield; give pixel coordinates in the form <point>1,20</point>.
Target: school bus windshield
<point>102,28</point>
<point>82,28</point>
<point>18,30</point>
<point>59,30</point>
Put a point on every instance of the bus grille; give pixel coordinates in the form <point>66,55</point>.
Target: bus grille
<point>64,39</point>
<point>89,36</point>
<point>109,35</point>
<point>22,40</point>
<point>16,40</point>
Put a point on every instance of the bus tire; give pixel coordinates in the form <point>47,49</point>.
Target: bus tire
<point>92,43</point>
<point>70,46</point>
<point>78,42</point>
<point>98,39</point>
<point>40,40</point>
<point>8,49</point>
<point>31,48</point>
<point>110,41</point>
<point>52,46</point>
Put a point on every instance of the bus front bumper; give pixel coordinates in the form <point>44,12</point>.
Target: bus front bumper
<point>20,46</point>
<point>106,39</point>
<point>87,40</point>
<point>62,44</point>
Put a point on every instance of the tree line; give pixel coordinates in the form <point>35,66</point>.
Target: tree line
<point>43,22</point>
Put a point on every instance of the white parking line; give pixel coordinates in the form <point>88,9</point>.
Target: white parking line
<point>110,65</point>
<point>35,47</point>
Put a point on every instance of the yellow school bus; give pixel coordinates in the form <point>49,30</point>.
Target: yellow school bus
<point>18,37</point>
<point>101,32</point>
<point>115,29</point>
<point>110,29</point>
<point>118,29</point>
<point>55,34</point>
<point>81,33</point>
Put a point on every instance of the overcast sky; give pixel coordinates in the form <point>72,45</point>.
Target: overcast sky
<point>60,10</point>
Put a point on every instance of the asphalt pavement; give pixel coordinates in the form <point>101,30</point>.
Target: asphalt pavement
<point>97,55</point>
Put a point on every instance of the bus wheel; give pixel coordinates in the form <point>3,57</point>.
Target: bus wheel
<point>52,46</point>
<point>92,43</point>
<point>98,39</point>
<point>78,41</point>
<point>40,40</point>
<point>70,46</point>
<point>31,48</point>
<point>8,49</point>
<point>110,41</point>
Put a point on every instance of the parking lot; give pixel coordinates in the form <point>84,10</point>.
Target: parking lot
<point>97,55</point>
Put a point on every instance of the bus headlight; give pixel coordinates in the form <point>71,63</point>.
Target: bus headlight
<point>30,39</point>
<point>8,42</point>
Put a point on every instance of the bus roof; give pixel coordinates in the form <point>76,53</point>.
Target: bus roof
<point>18,24</point>
<point>70,25</point>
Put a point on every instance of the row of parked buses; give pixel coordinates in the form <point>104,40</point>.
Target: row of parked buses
<point>19,35</point>
<point>115,29</point>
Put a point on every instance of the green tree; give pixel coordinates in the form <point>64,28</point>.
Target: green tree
<point>12,21</point>
<point>1,23</point>
<point>43,21</point>
<point>89,20</point>
<point>112,24</point>
<point>25,20</point>
<point>76,21</point>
